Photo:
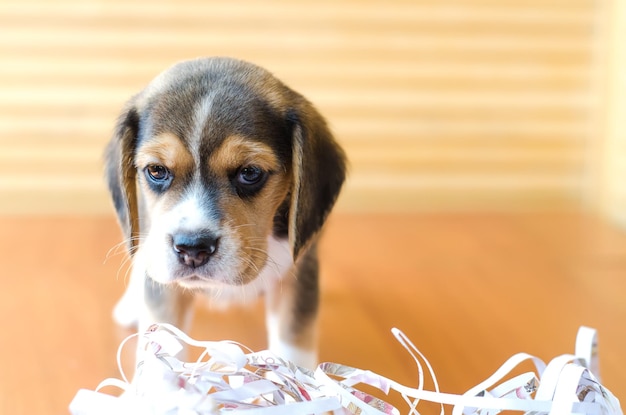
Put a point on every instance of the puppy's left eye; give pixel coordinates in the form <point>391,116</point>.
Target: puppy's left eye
<point>249,180</point>
<point>250,175</point>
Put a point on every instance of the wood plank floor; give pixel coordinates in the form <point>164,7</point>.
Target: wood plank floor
<point>470,290</point>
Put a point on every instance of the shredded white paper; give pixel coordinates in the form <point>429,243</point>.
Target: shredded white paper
<point>229,378</point>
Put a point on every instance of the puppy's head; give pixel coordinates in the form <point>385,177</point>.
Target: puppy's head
<point>211,161</point>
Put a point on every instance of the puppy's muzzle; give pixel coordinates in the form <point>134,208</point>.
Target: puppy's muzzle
<point>194,249</point>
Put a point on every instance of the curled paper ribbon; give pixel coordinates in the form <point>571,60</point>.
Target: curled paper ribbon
<point>228,378</point>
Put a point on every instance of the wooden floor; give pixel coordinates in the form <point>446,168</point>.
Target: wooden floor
<point>470,290</point>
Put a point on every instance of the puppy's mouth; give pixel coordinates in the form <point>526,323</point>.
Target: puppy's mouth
<point>190,278</point>
<point>195,281</point>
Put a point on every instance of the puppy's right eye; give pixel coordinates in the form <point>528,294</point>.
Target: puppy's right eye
<point>157,172</point>
<point>159,177</point>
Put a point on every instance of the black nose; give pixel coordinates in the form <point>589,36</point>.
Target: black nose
<point>194,249</point>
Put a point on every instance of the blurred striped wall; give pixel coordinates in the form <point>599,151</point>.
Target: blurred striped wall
<point>467,104</point>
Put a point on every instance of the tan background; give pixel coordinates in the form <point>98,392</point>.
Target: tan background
<point>488,104</point>
<point>461,113</point>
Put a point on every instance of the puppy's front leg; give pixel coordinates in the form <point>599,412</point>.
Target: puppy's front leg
<point>165,304</point>
<point>146,302</point>
<point>291,307</point>
<point>128,309</point>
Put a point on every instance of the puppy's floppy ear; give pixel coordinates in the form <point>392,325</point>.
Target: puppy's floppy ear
<point>319,170</point>
<point>121,173</point>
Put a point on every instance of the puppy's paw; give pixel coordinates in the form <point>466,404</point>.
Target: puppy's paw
<point>126,312</point>
<point>301,357</point>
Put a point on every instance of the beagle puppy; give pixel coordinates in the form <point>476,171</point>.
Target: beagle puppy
<point>222,178</point>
